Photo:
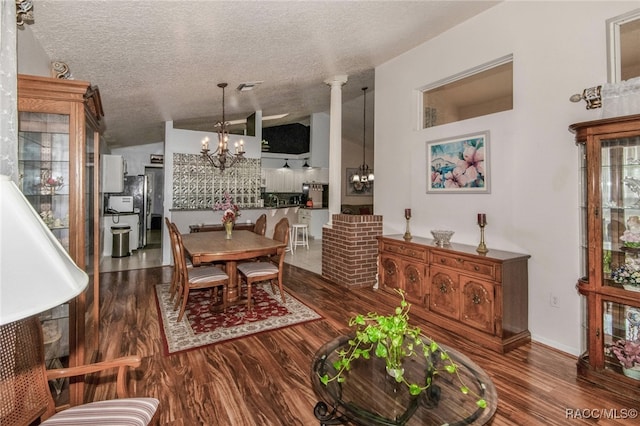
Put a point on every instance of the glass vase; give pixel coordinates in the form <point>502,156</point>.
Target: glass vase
<point>228,227</point>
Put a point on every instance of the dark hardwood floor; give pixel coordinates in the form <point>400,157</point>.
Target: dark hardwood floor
<point>264,379</point>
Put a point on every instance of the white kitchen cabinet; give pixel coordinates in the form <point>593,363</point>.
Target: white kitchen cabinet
<point>315,218</point>
<point>113,169</point>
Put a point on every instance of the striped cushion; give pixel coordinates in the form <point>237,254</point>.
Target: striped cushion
<point>255,269</point>
<point>203,274</point>
<point>116,412</point>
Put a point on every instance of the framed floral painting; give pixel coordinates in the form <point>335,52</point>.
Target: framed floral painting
<point>459,165</point>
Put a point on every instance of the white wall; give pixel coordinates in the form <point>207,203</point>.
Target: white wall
<point>139,156</point>
<point>32,59</point>
<point>559,49</point>
<point>319,140</point>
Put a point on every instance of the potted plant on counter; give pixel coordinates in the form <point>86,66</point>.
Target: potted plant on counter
<point>392,338</point>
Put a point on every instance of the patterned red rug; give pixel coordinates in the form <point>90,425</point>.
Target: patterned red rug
<point>201,326</point>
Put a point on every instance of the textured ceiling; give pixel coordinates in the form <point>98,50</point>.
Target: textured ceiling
<point>156,61</point>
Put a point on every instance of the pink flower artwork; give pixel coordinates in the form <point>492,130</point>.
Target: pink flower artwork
<point>459,164</point>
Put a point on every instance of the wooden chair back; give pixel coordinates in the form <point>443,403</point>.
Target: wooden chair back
<point>281,233</point>
<point>261,225</point>
<point>174,277</point>
<point>179,257</point>
<point>24,392</point>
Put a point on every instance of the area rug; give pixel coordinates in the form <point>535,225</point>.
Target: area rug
<point>201,326</point>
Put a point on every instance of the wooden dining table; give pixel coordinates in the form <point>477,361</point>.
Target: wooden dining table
<point>204,247</point>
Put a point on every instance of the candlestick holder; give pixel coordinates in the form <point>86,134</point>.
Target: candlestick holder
<point>482,247</point>
<point>407,232</point>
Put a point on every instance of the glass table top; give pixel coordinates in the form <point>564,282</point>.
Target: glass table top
<point>370,396</point>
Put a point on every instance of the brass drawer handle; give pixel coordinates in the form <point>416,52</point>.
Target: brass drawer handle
<point>476,268</point>
<point>443,260</point>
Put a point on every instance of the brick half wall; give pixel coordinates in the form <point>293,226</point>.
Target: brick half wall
<point>350,249</point>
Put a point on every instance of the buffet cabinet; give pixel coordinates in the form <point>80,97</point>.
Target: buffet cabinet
<point>609,153</point>
<point>481,297</point>
<point>58,146</point>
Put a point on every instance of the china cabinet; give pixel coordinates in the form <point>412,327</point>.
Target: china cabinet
<point>609,152</point>
<point>481,296</point>
<point>58,141</point>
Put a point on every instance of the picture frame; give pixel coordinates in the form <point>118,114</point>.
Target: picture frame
<point>351,190</point>
<point>157,159</point>
<point>459,165</point>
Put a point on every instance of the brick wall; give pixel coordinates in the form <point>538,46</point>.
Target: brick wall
<point>350,249</point>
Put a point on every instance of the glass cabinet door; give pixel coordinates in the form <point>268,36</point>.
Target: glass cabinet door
<point>43,164</point>
<point>620,189</point>
<point>621,326</point>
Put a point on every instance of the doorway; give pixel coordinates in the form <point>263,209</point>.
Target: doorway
<point>155,200</point>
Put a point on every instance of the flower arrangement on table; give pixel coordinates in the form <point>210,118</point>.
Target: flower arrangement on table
<point>231,210</point>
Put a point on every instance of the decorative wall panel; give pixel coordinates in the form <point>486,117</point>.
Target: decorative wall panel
<point>198,185</point>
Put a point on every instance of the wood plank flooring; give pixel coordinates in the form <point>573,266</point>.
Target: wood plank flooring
<point>264,379</point>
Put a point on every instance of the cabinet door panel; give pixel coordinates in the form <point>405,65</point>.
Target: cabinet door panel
<point>444,293</point>
<point>477,304</point>
<point>390,278</point>
<point>413,275</point>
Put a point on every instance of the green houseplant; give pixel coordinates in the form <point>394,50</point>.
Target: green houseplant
<point>392,338</point>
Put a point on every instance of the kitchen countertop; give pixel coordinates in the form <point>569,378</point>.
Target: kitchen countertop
<point>119,214</point>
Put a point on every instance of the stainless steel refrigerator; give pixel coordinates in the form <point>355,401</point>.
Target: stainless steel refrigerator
<point>137,187</point>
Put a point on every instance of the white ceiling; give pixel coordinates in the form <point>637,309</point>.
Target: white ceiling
<point>161,60</point>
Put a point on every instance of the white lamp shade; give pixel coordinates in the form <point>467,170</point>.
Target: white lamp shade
<point>36,272</point>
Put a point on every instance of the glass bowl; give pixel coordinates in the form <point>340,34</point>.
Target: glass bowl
<point>441,237</point>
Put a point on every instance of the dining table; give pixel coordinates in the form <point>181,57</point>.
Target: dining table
<point>206,247</point>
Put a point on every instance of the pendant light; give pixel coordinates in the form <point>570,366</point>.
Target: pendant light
<point>363,178</point>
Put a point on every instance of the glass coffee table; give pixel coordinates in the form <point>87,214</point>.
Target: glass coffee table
<point>369,396</point>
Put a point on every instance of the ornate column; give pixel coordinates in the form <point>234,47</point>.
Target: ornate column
<point>335,144</point>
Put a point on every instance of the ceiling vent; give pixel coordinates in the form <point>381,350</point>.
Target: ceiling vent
<point>245,87</point>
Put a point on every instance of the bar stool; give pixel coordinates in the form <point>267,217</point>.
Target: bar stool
<point>299,235</point>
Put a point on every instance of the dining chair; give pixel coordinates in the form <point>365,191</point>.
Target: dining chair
<point>196,278</point>
<point>261,225</point>
<point>25,397</point>
<point>176,275</point>
<point>258,271</point>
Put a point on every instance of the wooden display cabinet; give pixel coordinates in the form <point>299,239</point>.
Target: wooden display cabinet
<point>58,148</point>
<point>609,152</point>
<point>483,297</point>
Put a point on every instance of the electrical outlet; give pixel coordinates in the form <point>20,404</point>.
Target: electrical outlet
<point>554,300</point>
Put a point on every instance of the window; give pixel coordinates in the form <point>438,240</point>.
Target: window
<point>623,44</point>
<point>480,91</point>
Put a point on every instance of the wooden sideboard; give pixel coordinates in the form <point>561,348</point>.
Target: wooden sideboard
<point>481,297</point>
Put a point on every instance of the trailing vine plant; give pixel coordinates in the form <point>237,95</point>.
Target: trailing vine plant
<point>392,338</point>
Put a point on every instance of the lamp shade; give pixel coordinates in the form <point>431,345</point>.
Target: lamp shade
<point>36,272</point>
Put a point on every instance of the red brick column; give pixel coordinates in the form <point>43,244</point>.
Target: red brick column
<point>350,249</point>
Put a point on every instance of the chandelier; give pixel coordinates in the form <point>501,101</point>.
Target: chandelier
<point>363,178</point>
<point>222,157</point>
